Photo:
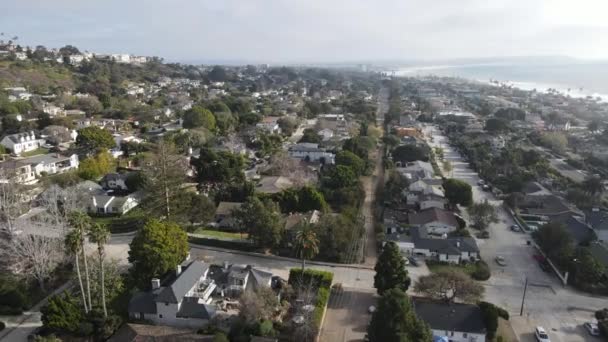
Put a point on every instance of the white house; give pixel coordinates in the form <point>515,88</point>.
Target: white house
<point>21,142</point>
<point>455,322</point>
<point>434,220</point>
<point>269,124</point>
<point>112,205</point>
<point>17,172</point>
<point>53,110</point>
<point>51,163</point>
<point>311,153</point>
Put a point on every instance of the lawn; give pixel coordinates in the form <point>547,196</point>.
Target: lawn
<point>35,152</point>
<point>220,234</point>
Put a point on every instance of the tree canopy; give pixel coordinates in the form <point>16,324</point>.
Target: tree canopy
<point>449,285</point>
<point>390,270</point>
<point>218,167</point>
<point>92,139</point>
<point>409,153</point>
<point>395,320</point>
<point>261,219</point>
<point>354,162</point>
<point>199,117</point>
<point>458,192</point>
<point>482,214</point>
<point>156,248</point>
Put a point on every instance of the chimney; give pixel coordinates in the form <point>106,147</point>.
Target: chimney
<point>155,283</point>
<point>178,270</point>
<point>226,265</point>
<point>458,244</point>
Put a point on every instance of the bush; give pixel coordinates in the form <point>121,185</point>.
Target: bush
<point>482,271</point>
<point>2,325</point>
<point>319,278</point>
<point>603,327</point>
<point>237,245</point>
<point>490,318</point>
<point>321,303</point>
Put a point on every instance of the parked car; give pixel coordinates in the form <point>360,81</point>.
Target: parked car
<point>413,261</point>
<point>483,235</point>
<point>481,182</point>
<point>592,328</point>
<point>501,261</point>
<point>516,228</point>
<point>541,335</point>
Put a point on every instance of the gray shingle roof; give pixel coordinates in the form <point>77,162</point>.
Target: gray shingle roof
<point>143,302</point>
<point>450,317</point>
<point>183,283</point>
<point>191,308</point>
<point>432,215</point>
<point>450,246</point>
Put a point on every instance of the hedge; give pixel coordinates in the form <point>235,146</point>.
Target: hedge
<point>490,313</point>
<point>2,325</point>
<point>237,245</point>
<point>482,271</point>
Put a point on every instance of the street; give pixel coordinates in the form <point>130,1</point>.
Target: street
<point>560,310</point>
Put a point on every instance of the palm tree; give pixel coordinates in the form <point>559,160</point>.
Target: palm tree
<point>74,245</point>
<point>81,223</point>
<point>307,243</point>
<point>99,234</point>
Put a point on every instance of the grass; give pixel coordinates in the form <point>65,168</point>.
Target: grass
<point>40,150</point>
<point>220,234</point>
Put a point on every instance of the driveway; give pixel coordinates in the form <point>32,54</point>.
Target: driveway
<point>560,310</point>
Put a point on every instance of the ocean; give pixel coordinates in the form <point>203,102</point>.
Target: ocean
<point>577,79</point>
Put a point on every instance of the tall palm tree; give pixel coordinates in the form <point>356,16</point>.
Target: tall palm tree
<point>99,234</point>
<point>81,223</point>
<point>74,245</point>
<point>307,243</point>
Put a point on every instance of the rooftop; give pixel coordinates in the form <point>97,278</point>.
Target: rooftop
<point>450,317</point>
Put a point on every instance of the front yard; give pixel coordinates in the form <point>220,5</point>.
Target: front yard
<point>35,152</point>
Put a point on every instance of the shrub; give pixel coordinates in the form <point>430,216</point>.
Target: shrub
<point>482,271</point>
<point>2,325</point>
<point>319,278</point>
<point>322,299</point>
<point>603,327</point>
<point>490,318</point>
<point>220,337</point>
<point>265,328</point>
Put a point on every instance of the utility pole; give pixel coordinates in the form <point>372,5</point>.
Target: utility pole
<point>523,299</point>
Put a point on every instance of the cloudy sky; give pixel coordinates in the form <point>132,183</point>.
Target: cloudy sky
<point>292,31</point>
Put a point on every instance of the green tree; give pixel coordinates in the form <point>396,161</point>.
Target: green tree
<point>218,167</point>
<point>448,285</point>
<point>593,185</point>
<point>220,337</point>
<point>62,313</point>
<point>199,117</point>
<point>458,192</point>
<point>555,241</point>
<point>495,125</point>
<point>396,321</point>
<point>554,140</point>
<point>218,74</point>
<point>390,270</point>
<point>409,153</point>
<point>262,221</point>
<point>310,136</point>
<point>586,269</point>
<point>351,160</point>
<point>482,214</point>
<point>92,139</point>
<point>340,177</point>
<point>157,248</point>
<point>288,125</point>
<point>307,243</point>
<point>99,234</point>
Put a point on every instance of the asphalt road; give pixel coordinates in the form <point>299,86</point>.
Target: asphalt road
<point>560,310</point>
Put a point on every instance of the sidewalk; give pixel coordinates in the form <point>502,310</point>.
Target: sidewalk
<point>29,320</point>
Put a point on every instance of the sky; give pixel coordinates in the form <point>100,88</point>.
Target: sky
<point>314,31</point>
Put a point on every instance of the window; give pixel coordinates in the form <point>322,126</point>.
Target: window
<point>451,334</point>
<point>141,315</point>
<point>464,335</point>
<point>160,316</point>
<point>166,304</point>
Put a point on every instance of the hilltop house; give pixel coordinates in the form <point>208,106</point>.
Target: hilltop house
<point>21,142</point>
<point>269,124</point>
<point>454,322</point>
<point>103,204</point>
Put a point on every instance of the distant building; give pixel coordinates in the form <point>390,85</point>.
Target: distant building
<point>51,163</point>
<point>269,124</point>
<point>434,220</point>
<point>273,184</point>
<point>104,204</point>
<point>17,172</point>
<point>310,152</point>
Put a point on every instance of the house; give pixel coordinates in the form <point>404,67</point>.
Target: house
<point>74,112</point>
<point>189,297</point>
<point>224,215</point>
<point>269,124</point>
<point>434,220</point>
<point>51,163</point>
<point>426,201</point>
<point>17,172</point>
<point>546,206</point>
<point>294,220</point>
<point>56,135</point>
<point>408,132</point>
<point>450,249</point>
<point>576,226</point>
<point>416,170</point>
<point>310,152</point>
<point>273,184</point>
<point>104,204</point>
<point>457,322</point>
<point>21,142</point>
<point>131,332</point>
<point>179,301</point>
<point>53,110</point>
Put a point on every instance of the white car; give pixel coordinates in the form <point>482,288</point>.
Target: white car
<point>541,335</point>
<point>592,328</point>
<point>501,261</point>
